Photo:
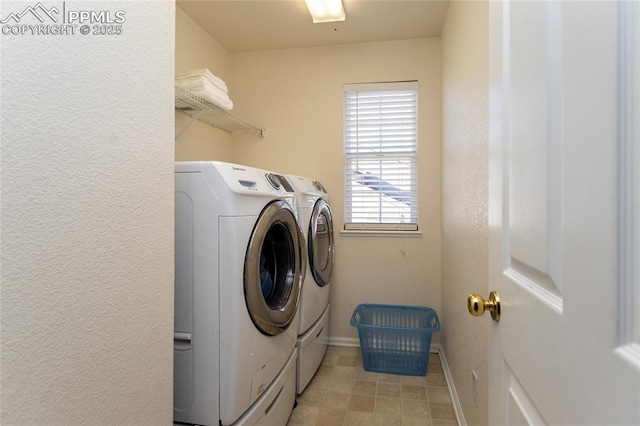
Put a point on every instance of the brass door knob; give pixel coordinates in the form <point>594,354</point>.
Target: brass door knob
<point>477,305</point>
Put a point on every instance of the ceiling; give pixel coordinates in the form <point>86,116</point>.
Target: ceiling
<point>249,26</point>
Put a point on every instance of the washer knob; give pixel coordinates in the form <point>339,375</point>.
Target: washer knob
<point>273,180</point>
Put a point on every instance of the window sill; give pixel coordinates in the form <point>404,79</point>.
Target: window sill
<point>393,234</point>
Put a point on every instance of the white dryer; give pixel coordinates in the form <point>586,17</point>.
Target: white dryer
<point>238,274</point>
<point>314,215</point>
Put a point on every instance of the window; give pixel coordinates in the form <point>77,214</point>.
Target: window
<point>380,149</point>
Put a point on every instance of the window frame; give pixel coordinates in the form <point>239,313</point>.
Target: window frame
<point>406,152</point>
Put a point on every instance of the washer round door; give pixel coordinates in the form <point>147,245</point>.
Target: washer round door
<point>273,269</point>
<point>320,245</point>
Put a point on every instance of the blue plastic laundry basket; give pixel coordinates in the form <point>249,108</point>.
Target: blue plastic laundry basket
<point>394,338</point>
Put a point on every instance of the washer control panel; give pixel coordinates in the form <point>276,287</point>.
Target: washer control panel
<point>245,179</point>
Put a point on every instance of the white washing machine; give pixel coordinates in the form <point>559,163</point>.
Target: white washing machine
<point>239,268</point>
<point>316,221</point>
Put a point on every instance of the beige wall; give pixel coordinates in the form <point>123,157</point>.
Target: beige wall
<point>297,95</point>
<point>465,79</point>
<point>87,223</point>
<point>196,49</point>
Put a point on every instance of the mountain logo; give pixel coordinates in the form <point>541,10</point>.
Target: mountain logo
<point>38,11</point>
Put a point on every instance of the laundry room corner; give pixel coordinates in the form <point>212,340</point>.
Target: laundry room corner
<point>298,93</point>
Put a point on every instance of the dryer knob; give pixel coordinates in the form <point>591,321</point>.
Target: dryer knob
<point>319,186</point>
<point>273,180</point>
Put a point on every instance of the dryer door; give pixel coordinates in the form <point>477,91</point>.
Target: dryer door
<point>273,269</point>
<point>320,244</point>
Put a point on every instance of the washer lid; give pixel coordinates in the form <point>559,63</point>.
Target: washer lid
<point>321,245</point>
<point>273,269</point>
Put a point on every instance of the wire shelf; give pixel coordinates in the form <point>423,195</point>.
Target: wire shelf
<point>202,110</point>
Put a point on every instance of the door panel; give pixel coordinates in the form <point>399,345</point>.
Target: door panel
<point>533,160</point>
<point>521,409</point>
<point>563,213</point>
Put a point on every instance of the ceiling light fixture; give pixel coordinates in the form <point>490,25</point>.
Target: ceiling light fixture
<point>325,10</point>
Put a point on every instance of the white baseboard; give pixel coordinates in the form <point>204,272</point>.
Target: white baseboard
<point>452,388</point>
<point>351,342</point>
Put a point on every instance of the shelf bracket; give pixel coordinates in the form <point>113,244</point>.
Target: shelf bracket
<point>189,124</point>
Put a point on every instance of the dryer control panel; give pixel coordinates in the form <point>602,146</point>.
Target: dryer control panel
<point>308,191</point>
<point>307,186</point>
<point>319,186</point>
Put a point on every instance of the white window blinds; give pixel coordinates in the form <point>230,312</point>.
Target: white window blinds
<point>380,148</point>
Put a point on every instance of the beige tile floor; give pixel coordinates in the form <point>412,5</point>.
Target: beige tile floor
<point>343,393</point>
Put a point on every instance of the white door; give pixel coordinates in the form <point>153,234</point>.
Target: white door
<point>564,213</point>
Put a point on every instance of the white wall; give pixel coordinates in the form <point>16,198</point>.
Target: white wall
<point>87,222</point>
<point>196,49</point>
<point>297,95</point>
<point>465,80</point>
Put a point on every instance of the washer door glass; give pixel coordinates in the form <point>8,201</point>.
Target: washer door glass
<point>320,244</point>
<point>273,269</point>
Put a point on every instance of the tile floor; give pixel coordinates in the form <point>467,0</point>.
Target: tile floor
<point>343,393</point>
